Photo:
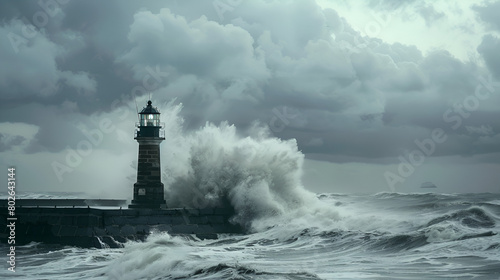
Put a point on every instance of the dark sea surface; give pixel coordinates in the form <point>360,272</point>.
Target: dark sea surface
<point>336,236</point>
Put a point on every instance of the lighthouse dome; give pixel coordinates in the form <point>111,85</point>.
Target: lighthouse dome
<point>149,109</point>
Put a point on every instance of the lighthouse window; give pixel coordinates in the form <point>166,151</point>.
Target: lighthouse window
<point>150,116</point>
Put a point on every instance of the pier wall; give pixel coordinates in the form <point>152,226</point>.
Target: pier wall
<point>91,227</point>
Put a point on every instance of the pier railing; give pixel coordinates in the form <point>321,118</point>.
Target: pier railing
<point>138,129</point>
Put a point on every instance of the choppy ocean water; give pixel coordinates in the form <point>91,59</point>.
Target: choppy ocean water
<point>341,236</point>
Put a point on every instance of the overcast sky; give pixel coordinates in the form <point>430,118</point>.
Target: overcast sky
<point>380,95</point>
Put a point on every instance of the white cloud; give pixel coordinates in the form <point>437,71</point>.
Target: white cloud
<point>201,47</point>
<point>456,30</point>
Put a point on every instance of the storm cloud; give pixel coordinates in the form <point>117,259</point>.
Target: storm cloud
<point>300,68</point>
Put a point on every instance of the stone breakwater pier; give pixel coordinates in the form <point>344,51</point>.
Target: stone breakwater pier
<point>84,223</point>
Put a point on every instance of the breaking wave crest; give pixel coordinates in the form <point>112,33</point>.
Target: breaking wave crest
<point>474,217</point>
<point>259,176</point>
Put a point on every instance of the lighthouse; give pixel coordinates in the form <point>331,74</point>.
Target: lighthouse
<point>149,191</point>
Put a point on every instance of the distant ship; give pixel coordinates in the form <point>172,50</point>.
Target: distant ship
<point>428,185</point>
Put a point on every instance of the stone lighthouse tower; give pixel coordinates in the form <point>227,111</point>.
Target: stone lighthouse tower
<point>148,191</point>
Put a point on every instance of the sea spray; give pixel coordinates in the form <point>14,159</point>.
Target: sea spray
<point>259,176</point>
<point>160,254</point>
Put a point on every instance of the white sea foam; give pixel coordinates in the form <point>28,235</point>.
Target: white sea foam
<point>159,255</point>
<point>442,234</point>
<point>259,176</point>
